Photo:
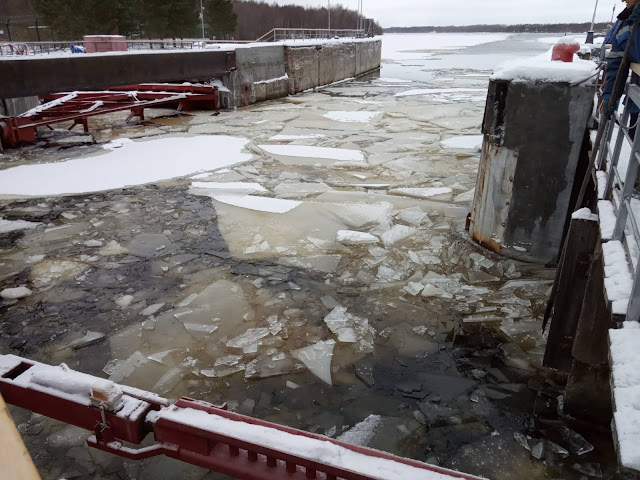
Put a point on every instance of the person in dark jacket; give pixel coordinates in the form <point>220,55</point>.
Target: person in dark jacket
<point>618,36</point>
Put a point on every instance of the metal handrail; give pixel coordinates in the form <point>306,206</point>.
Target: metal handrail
<point>620,190</point>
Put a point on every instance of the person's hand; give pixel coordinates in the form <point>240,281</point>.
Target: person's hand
<point>609,109</point>
<point>635,14</point>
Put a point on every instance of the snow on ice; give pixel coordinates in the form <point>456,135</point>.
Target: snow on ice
<point>351,117</point>
<point>133,163</point>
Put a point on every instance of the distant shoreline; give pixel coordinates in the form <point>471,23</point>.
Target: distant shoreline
<point>501,28</point>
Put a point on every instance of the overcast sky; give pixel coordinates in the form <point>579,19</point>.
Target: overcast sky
<point>406,13</point>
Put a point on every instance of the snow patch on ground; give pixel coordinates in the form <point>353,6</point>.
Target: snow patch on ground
<point>618,280</point>
<point>607,219</point>
<point>130,163</point>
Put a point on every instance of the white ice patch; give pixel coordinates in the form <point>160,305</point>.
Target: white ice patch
<point>317,358</point>
<point>283,138</point>
<point>7,226</point>
<point>351,237</point>
<point>231,188</point>
<point>437,91</point>
<point>133,163</point>
<point>607,219</point>
<point>260,204</point>
<point>433,193</point>
<point>584,214</point>
<point>467,142</point>
<point>351,117</point>
<point>338,154</point>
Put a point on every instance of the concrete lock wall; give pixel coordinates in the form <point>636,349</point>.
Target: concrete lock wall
<point>533,138</point>
<point>311,67</point>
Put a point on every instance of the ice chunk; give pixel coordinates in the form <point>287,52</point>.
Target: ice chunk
<point>152,309</point>
<point>576,442</point>
<point>113,248</point>
<point>250,337</point>
<point>271,365</point>
<point>351,237</point>
<point>15,293</point>
<point>414,216</point>
<point>317,358</point>
<point>362,433</point>
<point>396,234</point>
<point>124,301</point>
<point>89,339</point>
<point>414,288</point>
<point>348,328</point>
<point>439,193</point>
<point>229,361</point>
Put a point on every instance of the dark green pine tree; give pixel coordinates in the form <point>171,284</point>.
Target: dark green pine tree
<point>169,18</point>
<point>221,18</point>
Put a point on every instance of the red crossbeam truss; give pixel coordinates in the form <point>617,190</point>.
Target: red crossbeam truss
<point>79,106</point>
<point>196,432</point>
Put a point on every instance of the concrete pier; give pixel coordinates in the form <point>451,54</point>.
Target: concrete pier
<point>533,137</point>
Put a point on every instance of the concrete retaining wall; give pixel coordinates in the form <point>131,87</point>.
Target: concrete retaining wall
<point>311,67</point>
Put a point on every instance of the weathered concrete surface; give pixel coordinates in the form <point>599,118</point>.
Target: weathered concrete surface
<point>533,138</point>
<point>37,76</point>
<point>311,67</point>
<point>588,393</point>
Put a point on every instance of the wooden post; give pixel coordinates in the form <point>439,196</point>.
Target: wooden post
<point>15,462</point>
<point>575,267</point>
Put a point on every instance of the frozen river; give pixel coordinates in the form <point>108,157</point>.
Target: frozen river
<point>304,260</point>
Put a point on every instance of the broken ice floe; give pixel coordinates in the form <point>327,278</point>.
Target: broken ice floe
<point>317,358</point>
<point>133,163</point>
<point>466,142</point>
<point>351,117</point>
<point>350,328</point>
<point>305,155</point>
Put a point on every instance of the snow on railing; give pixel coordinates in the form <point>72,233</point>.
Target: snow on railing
<point>619,208</point>
<point>278,34</point>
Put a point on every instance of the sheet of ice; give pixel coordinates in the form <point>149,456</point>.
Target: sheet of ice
<point>351,117</point>
<point>317,358</point>
<point>393,80</point>
<point>403,46</point>
<point>302,446</point>
<point>438,91</point>
<point>625,373</point>
<point>355,238</point>
<point>339,154</point>
<point>282,138</point>
<point>230,188</point>
<point>134,163</point>
<point>541,69</point>
<point>618,280</point>
<point>607,219</point>
<point>7,226</point>
<point>396,234</point>
<point>470,142</point>
<point>260,204</point>
<point>432,193</point>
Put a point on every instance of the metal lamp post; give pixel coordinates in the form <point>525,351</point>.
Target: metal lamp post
<point>202,18</point>
<point>593,21</point>
<point>329,10</point>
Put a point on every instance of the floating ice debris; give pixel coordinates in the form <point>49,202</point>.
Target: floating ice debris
<point>113,248</point>
<point>414,288</point>
<point>187,300</point>
<point>89,339</point>
<point>93,243</point>
<point>229,360</point>
<point>576,442</point>
<point>7,226</point>
<point>135,163</point>
<point>15,293</point>
<point>396,234</point>
<point>433,291</point>
<point>522,439</point>
<point>414,216</point>
<point>281,138</point>
<point>275,326</point>
<point>554,447</point>
<point>338,154</point>
<point>436,193</point>
<point>537,451</point>
<point>362,433</point>
<point>152,309</point>
<point>291,385</point>
<point>124,301</point>
<point>212,189</point>
<point>250,337</point>
<point>320,263</point>
<point>437,91</point>
<point>351,237</point>
<point>592,470</point>
<point>465,197</point>
<point>351,117</point>
<point>317,358</point>
<point>271,365</point>
<point>465,142</point>
<point>260,204</point>
<point>350,329</point>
